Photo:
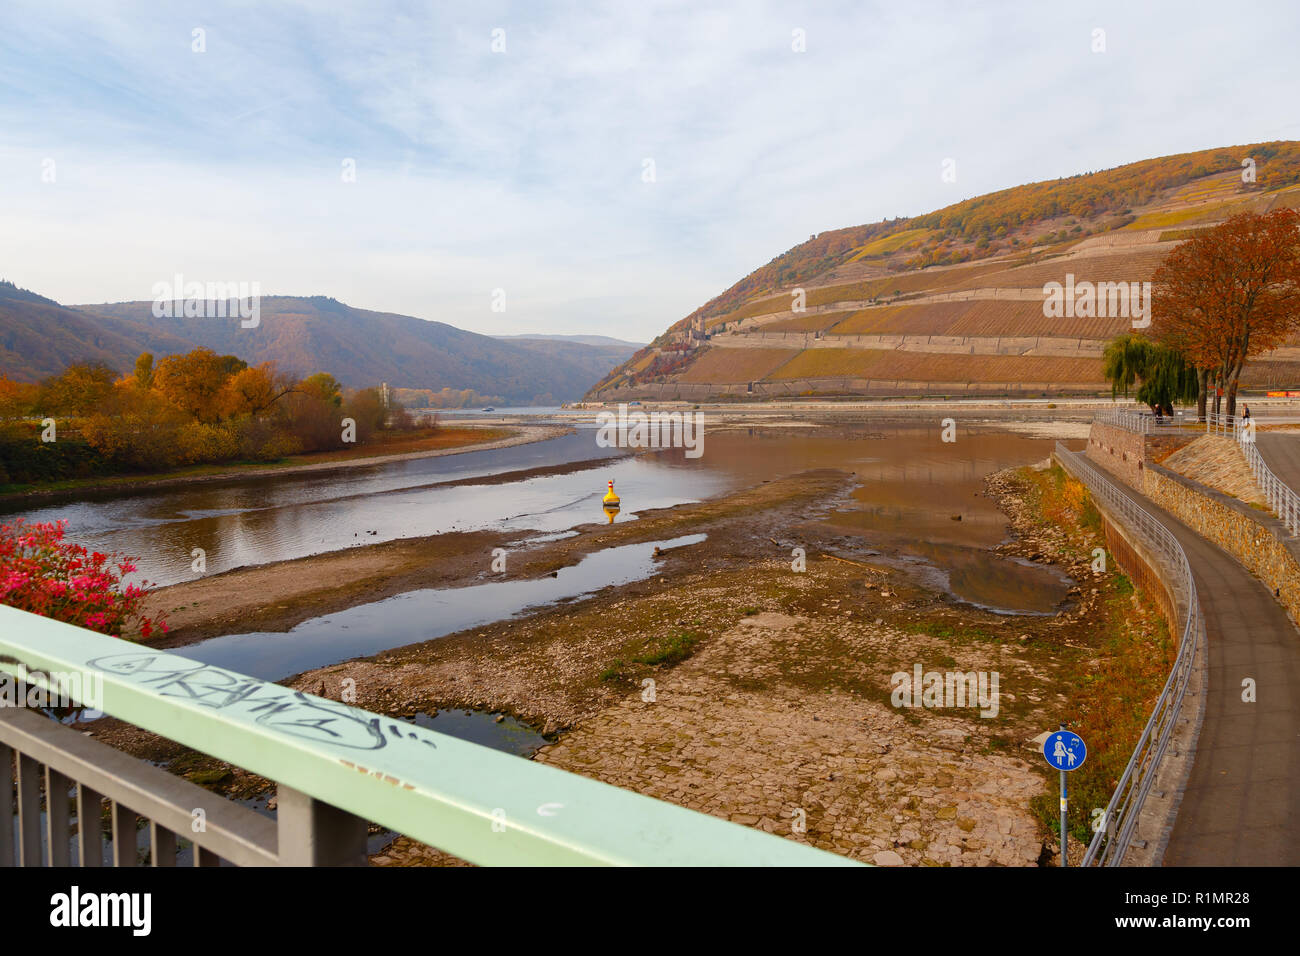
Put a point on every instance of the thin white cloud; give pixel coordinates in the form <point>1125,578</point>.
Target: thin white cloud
<point>523,170</point>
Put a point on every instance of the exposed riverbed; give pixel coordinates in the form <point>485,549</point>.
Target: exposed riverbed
<point>764,671</point>
<point>917,495</point>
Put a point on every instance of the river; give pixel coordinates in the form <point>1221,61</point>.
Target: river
<point>919,504</point>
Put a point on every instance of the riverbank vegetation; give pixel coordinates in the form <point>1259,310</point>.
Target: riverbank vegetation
<point>1113,687</point>
<point>199,408</point>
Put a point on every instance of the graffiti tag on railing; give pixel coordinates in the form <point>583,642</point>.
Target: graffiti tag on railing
<point>270,705</point>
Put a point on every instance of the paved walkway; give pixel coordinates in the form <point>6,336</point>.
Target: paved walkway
<point>1242,801</point>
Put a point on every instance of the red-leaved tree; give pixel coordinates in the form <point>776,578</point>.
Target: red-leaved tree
<point>1229,294</point>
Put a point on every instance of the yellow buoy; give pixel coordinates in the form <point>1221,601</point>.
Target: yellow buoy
<point>610,498</point>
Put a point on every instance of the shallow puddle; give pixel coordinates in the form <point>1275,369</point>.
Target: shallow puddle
<point>1000,583</point>
<point>418,616</point>
<point>498,731</point>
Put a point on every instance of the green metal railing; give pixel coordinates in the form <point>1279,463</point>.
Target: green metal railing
<point>337,767</point>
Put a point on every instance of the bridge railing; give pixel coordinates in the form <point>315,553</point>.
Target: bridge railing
<point>1112,840</point>
<point>337,769</point>
<point>1284,502</point>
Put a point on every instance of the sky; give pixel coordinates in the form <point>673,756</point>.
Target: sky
<point>571,168</point>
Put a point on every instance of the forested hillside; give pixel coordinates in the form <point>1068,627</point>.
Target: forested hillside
<point>39,337</point>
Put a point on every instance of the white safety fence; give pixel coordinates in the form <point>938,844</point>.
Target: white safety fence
<point>1284,502</point>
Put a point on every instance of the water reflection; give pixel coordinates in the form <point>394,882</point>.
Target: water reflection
<point>498,731</point>
<point>917,494</point>
<point>421,615</point>
<point>263,521</point>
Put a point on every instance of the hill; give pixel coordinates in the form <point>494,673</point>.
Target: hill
<point>952,302</point>
<point>39,337</point>
<point>582,339</point>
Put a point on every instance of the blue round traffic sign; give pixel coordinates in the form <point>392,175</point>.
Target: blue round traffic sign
<point>1064,750</point>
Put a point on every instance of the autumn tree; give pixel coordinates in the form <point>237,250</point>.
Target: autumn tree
<point>193,381</point>
<point>1228,295</point>
<point>144,370</point>
<point>253,390</point>
<point>135,428</point>
<point>324,386</point>
<point>366,408</point>
<point>79,389</point>
<point>16,398</point>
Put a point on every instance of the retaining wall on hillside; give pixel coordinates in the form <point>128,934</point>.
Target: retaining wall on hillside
<point>1126,454</point>
<point>1255,538</point>
<point>794,388</point>
<point>930,344</point>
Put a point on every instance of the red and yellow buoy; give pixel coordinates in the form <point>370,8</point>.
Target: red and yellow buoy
<point>610,503</point>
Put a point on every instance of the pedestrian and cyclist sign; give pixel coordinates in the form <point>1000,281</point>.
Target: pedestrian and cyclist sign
<point>1065,750</point>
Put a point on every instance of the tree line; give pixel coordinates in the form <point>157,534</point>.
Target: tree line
<point>195,408</point>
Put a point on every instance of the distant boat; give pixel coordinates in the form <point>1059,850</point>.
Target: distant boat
<point>489,409</point>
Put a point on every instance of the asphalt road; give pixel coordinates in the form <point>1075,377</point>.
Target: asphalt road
<point>1282,455</point>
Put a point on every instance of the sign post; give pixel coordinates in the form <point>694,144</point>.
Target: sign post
<point>1065,751</point>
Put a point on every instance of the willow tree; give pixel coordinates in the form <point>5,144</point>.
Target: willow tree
<point>1230,294</point>
<point>1163,376</point>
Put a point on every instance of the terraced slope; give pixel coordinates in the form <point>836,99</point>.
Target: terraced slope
<point>953,302</point>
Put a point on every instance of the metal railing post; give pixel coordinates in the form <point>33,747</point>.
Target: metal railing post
<point>58,823</point>
<point>124,835</point>
<point>313,833</point>
<point>29,811</point>
<point>6,804</point>
<point>90,843</point>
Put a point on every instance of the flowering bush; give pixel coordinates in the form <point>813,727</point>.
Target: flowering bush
<point>42,573</point>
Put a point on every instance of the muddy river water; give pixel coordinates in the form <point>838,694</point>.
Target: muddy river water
<point>918,504</point>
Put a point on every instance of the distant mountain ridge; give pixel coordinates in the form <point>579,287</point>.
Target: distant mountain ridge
<point>581,339</point>
<point>301,334</point>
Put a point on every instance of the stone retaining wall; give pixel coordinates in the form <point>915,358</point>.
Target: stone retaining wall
<point>1118,450</point>
<point>1127,454</point>
<point>804,387</point>
<point>1255,538</point>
